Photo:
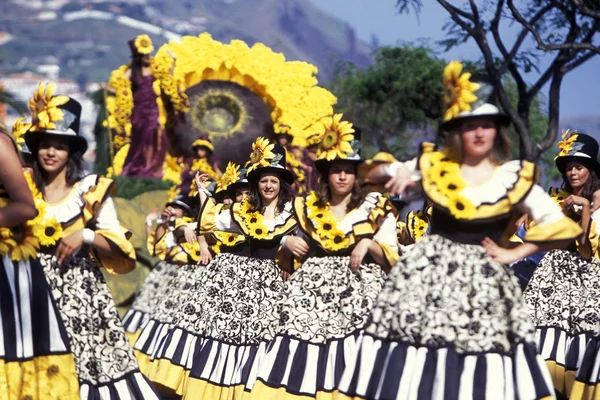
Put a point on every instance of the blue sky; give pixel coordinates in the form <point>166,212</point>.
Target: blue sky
<point>580,94</point>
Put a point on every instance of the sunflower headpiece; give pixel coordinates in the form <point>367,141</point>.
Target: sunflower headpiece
<point>337,139</point>
<point>577,147</point>
<point>267,157</point>
<point>19,129</point>
<point>468,96</point>
<point>141,45</point>
<point>230,176</point>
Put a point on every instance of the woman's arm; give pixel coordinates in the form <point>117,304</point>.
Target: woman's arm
<point>21,207</point>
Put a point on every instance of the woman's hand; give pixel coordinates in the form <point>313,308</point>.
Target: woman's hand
<point>205,255</point>
<point>573,200</point>
<point>285,275</point>
<point>68,245</point>
<point>297,246</point>
<point>400,182</point>
<point>358,254</point>
<point>500,254</point>
<point>189,234</point>
<point>201,180</point>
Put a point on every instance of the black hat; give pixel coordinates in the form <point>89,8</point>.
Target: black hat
<point>274,155</point>
<point>322,164</point>
<point>468,97</point>
<point>577,147</point>
<point>66,127</point>
<point>186,203</point>
<point>239,184</point>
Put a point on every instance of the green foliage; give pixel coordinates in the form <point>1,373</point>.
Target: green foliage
<point>395,100</point>
<point>9,99</point>
<point>129,188</point>
<point>103,156</point>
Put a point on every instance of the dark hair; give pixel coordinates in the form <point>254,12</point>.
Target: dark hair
<point>286,194</point>
<point>501,152</point>
<point>324,192</point>
<point>589,187</point>
<point>75,169</point>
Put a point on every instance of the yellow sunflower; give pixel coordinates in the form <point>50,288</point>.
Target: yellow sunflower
<point>245,207</point>
<point>451,183</point>
<point>261,154</point>
<point>230,176</point>
<point>459,90</point>
<point>192,250</point>
<point>258,230</point>
<point>18,130</point>
<point>566,144</point>
<point>441,170</point>
<point>325,225</point>
<point>336,139</point>
<point>44,107</point>
<point>48,232</point>
<point>26,244</point>
<point>6,241</point>
<point>202,165</point>
<point>461,207</point>
<point>559,195</point>
<point>143,44</point>
<point>337,241</point>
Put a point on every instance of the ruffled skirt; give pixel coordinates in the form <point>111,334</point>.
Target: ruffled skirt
<point>448,323</point>
<point>321,310</point>
<point>153,292</point>
<point>35,358</point>
<point>562,297</point>
<point>215,337</point>
<point>106,366</point>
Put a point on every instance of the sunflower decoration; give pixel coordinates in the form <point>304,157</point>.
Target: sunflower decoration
<point>48,232</point>
<point>336,139</point>
<point>26,244</point>
<point>192,250</point>
<point>459,90</point>
<point>202,165</point>
<point>44,107</point>
<point>461,207</point>
<point>143,44</point>
<point>559,195</point>
<point>337,241</point>
<point>230,176</point>
<point>253,220</point>
<point>566,144</point>
<point>325,225</point>
<point>262,154</point>
<point>173,193</point>
<point>417,224</point>
<point>38,201</point>
<point>6,241</point>
<point>19,128</point>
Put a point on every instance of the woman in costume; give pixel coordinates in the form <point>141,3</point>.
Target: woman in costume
<point>450,321</point>
<point>348,240</point>
<point>563,293</point>
<point>155,289</point>
<point>35,358</point>
<point>243,285</point>
<point>202,162</point>
<point>173,359</point>
<point>85,220</point>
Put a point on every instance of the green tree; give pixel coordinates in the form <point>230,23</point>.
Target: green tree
<point>566,30</point>
<point>11,101</point>
<point>395,100</point>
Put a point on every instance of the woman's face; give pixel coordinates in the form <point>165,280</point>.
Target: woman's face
<point>227,200</point>
<point>201,152</point>
<point>342,176</point>
<point>53,154</point>
<point>577,174</point>
<point>478,136</point>
<point>268,187</point>
<point>241,194</point>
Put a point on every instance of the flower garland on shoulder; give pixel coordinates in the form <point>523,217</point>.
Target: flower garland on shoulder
<point>253,220</point>
<point>444,175</point>
<point>559,195</point>
<point>325,225</point>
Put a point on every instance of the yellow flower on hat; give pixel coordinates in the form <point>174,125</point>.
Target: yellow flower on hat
<point>459,90</point>
<point>566,144</point>
<point>143,44</point>
<point>45,107</point>
<point>336,138</point>
<point>230,176</point>
<point>261,154</point>
<point>18,130</point>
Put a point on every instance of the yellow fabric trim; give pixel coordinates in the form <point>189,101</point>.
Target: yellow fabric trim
<point>563,229</point>
<point>198,389</point>
<point>77,225</point>
<point>167,376</point>
<point>119,264</point>
<point>563,380</point>
<point>144,361</point>
<point>525,181</point>
<point>585,392</point>
<point>45,377</point>
<point>261,391</point>
<point>207,217</point>
<point>391,256</point>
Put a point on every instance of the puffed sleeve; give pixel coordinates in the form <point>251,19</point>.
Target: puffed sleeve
<point>108,226</point>
<point>549,222</point>
<point>214,217</point>
<point>386,239</point>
